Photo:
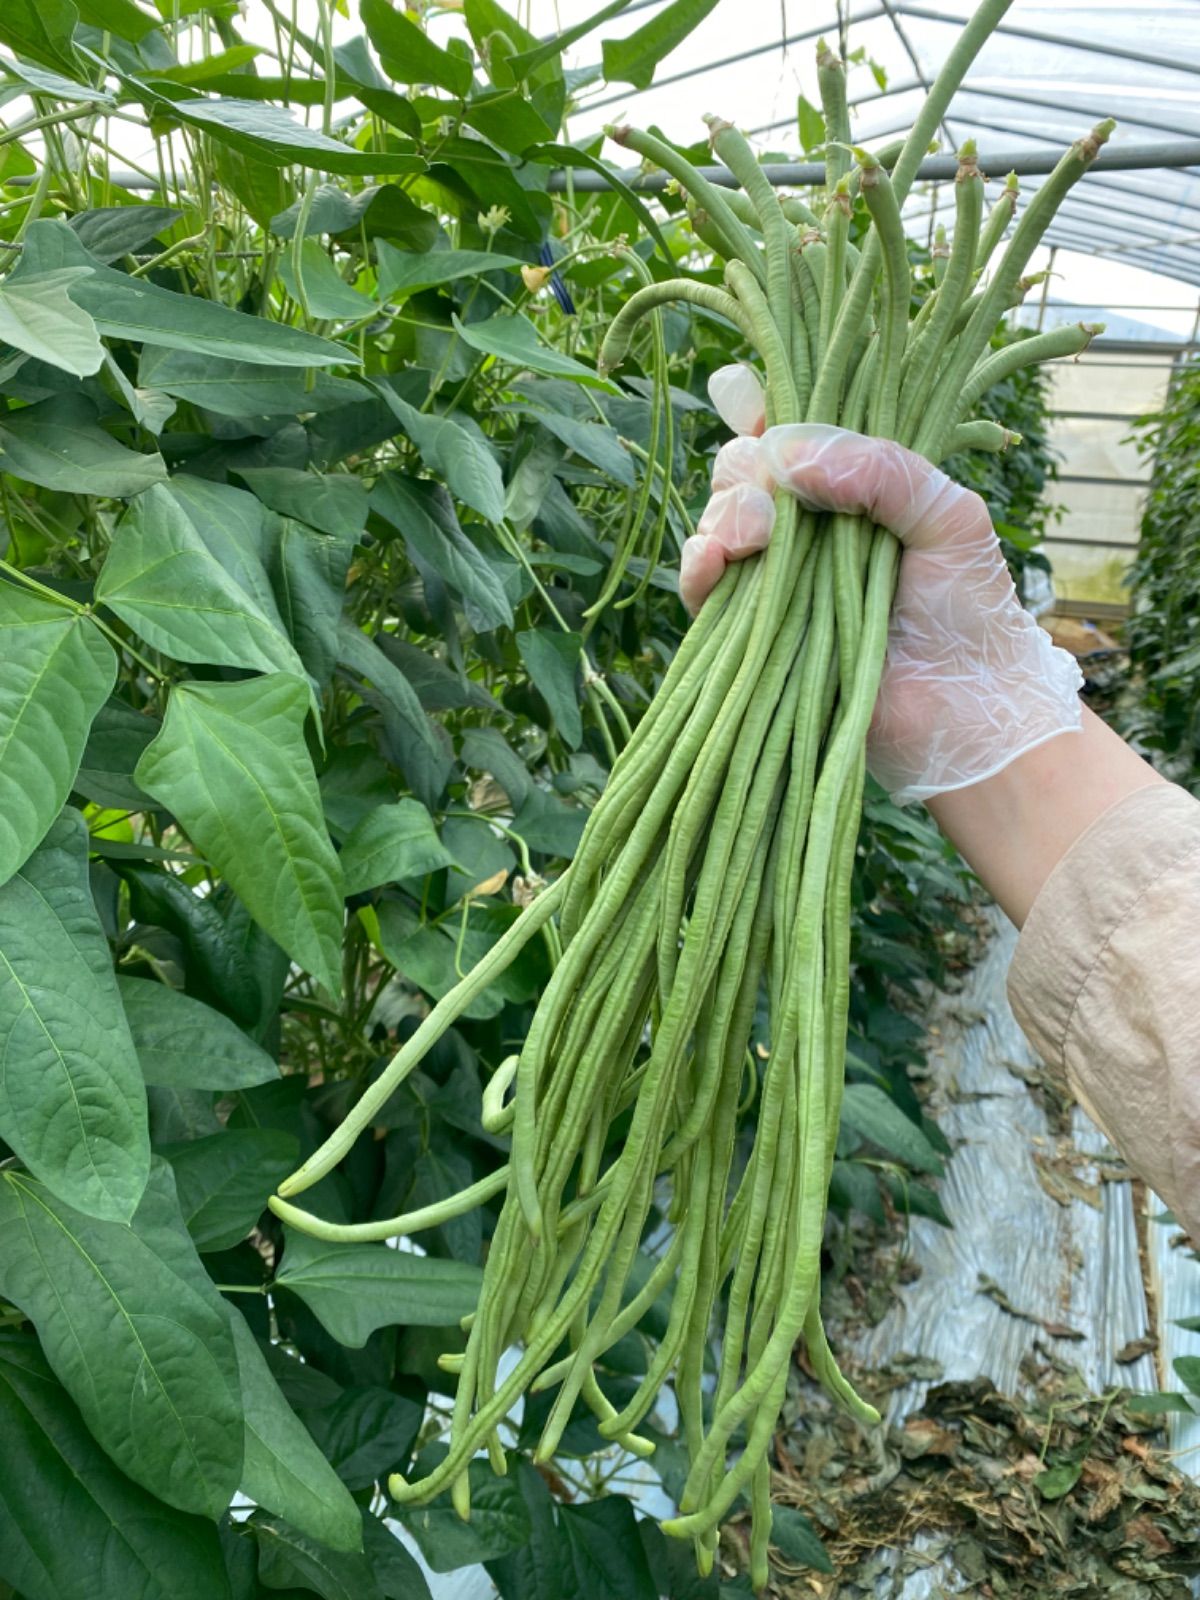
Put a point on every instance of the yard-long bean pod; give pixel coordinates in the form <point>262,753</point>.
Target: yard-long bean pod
<point>711,884</point>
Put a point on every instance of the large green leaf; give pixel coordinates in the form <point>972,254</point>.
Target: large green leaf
<point>794,1535</point>
<point>422,513</point>
<point>38,316</point>
<point>408,54</point>
<point>366,1433</point>
<point>334,503</point>
<point>404,272</point>
<point>552,660</point>
<point>396,841</point>
<point>184,1044</point>
<point>320,286</point>
<point>71,1526</point>
<point>455,454</point>
<point>58,671</point>
<point>271,136</point>
<point>41,29</point>
<point>215,967</point>
<point>223,1181</point>
<point>242,388</point>
<point>633,59</point>
<point>134,308</point>
<point>117,738</point>
<point>147,1358</point>
<point>604,1553</point>
<point>171,575</point>
<point>418,746</point>
<point>72,1105</point>
<point>291,1560</point>
<point>232,765</point>
<point>308,570</point>
<point>355,1288</point>
<point>58,444</point>
<point>111,232</point>
<point>874,1115</point>
<point>376,211</point>
<point>529,60</point>
<point>284,1471</point>
<point>499,1523</point>
<point>514,340</point>
<point>594,441</point>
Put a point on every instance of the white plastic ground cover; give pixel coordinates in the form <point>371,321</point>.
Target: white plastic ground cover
<point>1075,1264</point>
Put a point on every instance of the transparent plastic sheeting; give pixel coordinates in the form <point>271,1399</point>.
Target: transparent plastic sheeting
<point>1052,70</point>
<point>1074,1264</point>
<point>1101,489</point>
<point>1071,1264</point>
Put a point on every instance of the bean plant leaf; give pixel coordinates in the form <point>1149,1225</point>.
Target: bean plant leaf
<point>594,441</point>
<point>633,59</point>
<point>469,468</point>
<point>552,660</point>
<point>232,765</point>
<point>134,308</point>
<point>165,580</point>
<point>365,1433</point>
<point>58,444</point>
<point>334,503</point>
<point>271,136</point>
<point>396,841</point>
<point>38,316</point>
<point>72,1527</point>
<point>58,672</point>
<point>110,232</point>
<point>874,1115</point>
<point>223,1181</point>
<point>408,54</point>
<point>405,272</point>
<point>215,967</point>
<point>283,1470</point>
<point>320,286</point>
<point>796,1539</point>
<point>158,1392</point>
<point>514,340</point>
<point>308,570</point>
<point>423,514</point>
<point>183,1044</point>
<point>41,30</point>
<point>353,1289</point>
<point>499,1523</point>
<point>529,60</point>
<point>419,747</point>
<point>240,388</point>
<point>72,1105</point>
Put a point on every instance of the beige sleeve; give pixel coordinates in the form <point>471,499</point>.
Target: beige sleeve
<point>1106,985</point>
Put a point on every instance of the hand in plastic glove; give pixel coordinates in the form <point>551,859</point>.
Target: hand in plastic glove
<point>971,681</point>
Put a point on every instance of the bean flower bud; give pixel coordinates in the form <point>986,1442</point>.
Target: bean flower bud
<point>535,278</point>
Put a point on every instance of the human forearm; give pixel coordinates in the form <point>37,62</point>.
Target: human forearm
<point>1015,827</point>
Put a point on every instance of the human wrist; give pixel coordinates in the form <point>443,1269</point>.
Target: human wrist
<point>1015,827</point>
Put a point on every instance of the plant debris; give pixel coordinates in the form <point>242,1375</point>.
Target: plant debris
<point>1062,1493</point>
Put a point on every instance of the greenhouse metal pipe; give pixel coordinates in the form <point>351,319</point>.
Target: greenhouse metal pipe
<point>1088,46</point>
<point>802,174</point>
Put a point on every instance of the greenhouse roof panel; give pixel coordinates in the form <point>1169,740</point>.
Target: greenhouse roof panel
<point>1051,70</point>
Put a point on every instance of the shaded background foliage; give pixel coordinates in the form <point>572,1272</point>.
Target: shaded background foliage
<point>1163,629</point>
<point>309,487</point>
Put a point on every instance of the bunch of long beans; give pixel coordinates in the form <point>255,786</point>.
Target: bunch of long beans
<point>719,860</point>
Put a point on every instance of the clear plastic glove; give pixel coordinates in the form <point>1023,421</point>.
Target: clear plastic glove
<point>971,681</point>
